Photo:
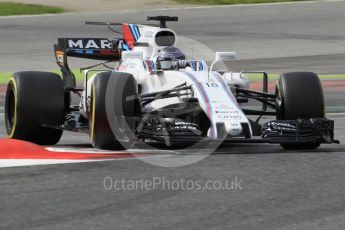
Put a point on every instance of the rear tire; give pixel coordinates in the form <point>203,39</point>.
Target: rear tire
<point>299,96</point>
<point>101,133</point>
<point>34,99</point>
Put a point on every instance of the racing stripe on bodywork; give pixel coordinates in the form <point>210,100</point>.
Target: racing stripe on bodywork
<point>226,89</point>
<point>152,64</point>
<point>148,65</point>
<point>131,34</point>
<point>194,65</point>
<point>135,31</point>
<point>125,47</point>
<point>206,100</point>
<point>201,66</point>
<point>136,28</point>
<point>144,63</point>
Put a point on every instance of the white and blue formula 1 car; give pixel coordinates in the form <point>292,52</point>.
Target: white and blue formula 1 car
<point>156,94</point>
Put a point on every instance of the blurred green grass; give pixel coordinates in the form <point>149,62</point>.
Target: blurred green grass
<point>254,77</point>
<point>5,76</point>
<point>11,8</point>
<point>231,2</point>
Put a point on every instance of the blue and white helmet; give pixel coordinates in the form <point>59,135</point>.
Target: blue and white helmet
<point>168,57</point>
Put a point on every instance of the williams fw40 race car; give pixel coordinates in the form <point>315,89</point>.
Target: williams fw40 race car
<point>155,94</point>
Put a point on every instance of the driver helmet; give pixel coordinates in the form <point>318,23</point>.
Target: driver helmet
<point>168,58</point>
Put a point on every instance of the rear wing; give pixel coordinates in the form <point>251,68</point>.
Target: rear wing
<point>88,48</point>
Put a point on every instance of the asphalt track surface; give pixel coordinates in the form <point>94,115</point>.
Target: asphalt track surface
<point>278,190</point>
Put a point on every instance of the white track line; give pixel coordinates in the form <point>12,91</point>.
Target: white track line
<point>27,162</point>
<point>83,150</point>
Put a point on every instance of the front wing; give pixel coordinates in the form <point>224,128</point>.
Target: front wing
<point>274,132</point>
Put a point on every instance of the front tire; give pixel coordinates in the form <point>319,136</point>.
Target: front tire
<point>124,85</point>
<point>33,100</point>
<point>299,96</point>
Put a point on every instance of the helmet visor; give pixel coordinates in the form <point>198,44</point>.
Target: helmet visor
<point>166,64</point>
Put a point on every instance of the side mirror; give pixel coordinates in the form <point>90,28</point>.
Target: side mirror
<point>222,56</point>
<point>225,56</point>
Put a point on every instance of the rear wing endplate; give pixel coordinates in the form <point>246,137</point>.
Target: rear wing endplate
<point>88,48</point>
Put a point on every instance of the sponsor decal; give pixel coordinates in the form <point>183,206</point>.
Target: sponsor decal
<point>89,44</point>
<point>212,85</point>
<point>149,34</point>
<point>227,117</point>
<point>228,112</point>
<point>223,106</point>
<point>132,55</point>
<point>59,56</point>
